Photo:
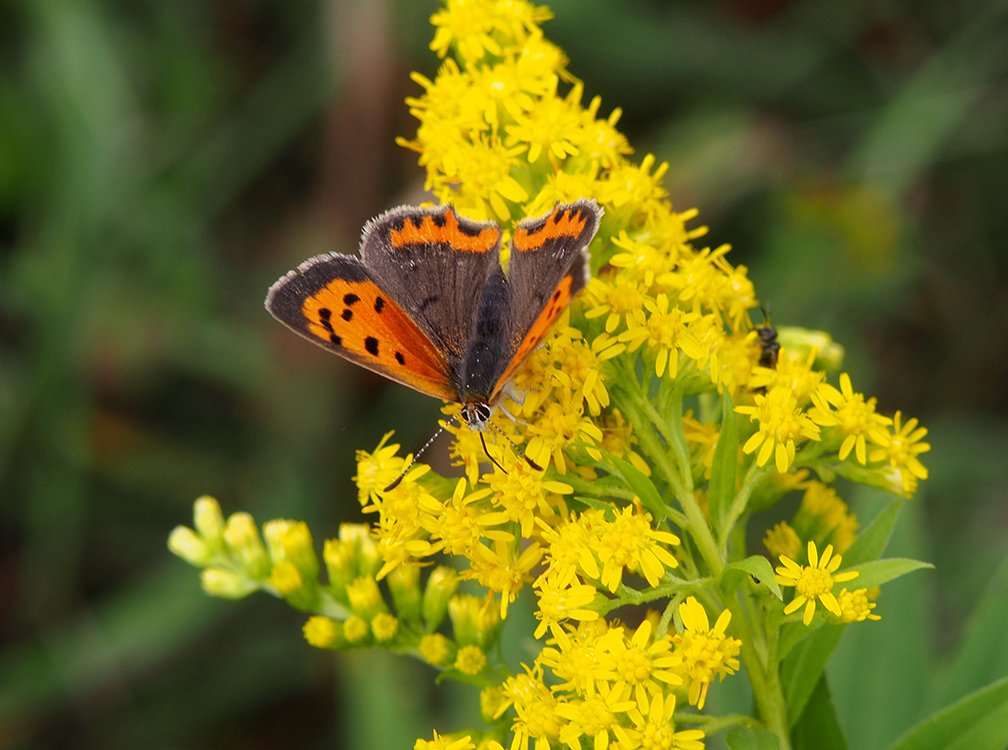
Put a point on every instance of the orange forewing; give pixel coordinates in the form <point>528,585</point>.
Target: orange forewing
<point>359,320</point>
<point>443,228</point>
<point>558,302</point>
<point>560,223</point>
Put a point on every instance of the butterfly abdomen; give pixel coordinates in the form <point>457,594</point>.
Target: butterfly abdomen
<point>489,348</point>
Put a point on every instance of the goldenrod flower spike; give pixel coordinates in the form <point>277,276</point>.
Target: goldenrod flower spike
<point>632,452</point>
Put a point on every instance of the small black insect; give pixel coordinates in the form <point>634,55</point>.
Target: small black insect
<point>768,344</point>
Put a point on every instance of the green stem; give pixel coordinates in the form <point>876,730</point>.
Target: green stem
<point>764,677</point>
<point>753,477</point>
<point>696,524</point>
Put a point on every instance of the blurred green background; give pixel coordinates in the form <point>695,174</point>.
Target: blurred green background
<point>161,163</point>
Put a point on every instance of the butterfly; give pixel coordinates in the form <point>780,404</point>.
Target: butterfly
<point>429,305</point>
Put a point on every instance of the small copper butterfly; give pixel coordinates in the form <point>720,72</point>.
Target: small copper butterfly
<point>428,304</point>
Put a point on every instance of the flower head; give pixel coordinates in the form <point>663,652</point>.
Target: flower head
<point>813,582</point>
<point>706,652</point>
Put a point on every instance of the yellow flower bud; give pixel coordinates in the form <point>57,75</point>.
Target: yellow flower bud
<point>209,521</point>
<point>384,627</point>
<point>242,538</point>
<point>324,632</point>
<point>184,543</point>
<point>226,583</point>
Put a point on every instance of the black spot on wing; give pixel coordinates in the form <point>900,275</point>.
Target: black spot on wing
<point>371,345</point>
<point>379,305</point>
<point>469,230</point>
<point>350,299</point>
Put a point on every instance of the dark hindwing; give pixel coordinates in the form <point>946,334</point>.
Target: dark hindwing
<point>548,266</point>
<point>435,264</point>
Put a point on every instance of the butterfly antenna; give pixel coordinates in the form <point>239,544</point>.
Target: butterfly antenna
<point>514,445</point>
<point>487,451</point>
<point>424,447</point>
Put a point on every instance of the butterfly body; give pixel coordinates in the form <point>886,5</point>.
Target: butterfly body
<point>428,304</point>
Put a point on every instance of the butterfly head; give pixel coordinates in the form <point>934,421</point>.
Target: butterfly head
<point>475,414</point>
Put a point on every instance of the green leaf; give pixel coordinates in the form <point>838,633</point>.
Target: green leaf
<point>803,667</point>
<point>872,541</point>
<point>877,572</point>
<point>983,653</point>
<point>756,566</point>
<point>819,728</point>
<point>724,466</point>
<point>640,483</point>
<point>752,738</point>
<point>980,720</point>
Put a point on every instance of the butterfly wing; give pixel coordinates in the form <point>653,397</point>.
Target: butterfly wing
<point>333,300</point>
<point>435,264</point>
<point>548,266</point>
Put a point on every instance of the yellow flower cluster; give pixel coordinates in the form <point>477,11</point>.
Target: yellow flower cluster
<point>651,414</point>
<point>607,685</point>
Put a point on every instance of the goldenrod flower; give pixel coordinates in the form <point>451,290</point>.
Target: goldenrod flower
<point>848,411</point>
<point>597,140</point>
<point>502,569</point>
<point>464,520</point>
<point>577,369</point>
<point>595,717</point>
<point>445,742</point>
<point>557,428</point>
<point>536,716</point>
<point>630,542</point>
<point>899,447</point>
<point>546,128</point>
<point>578,657</point>
<point>642,259</point>
<point>782,540</point>
<point>571,547</point>
<point>813,582</point>
<point>661,326</point>
<point>653,726</point>
<point>559,600</point>
<point>637,185</point>
<point>642,663</point>
<point>524,495</point>
<point>470,660</point>
<point>857,605</point>
<point>794,375</point>
<point>616,297</point>
<point>474,26</point>
<point>706,652</point>
<point>781,424</point>
<point>378,469</point>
